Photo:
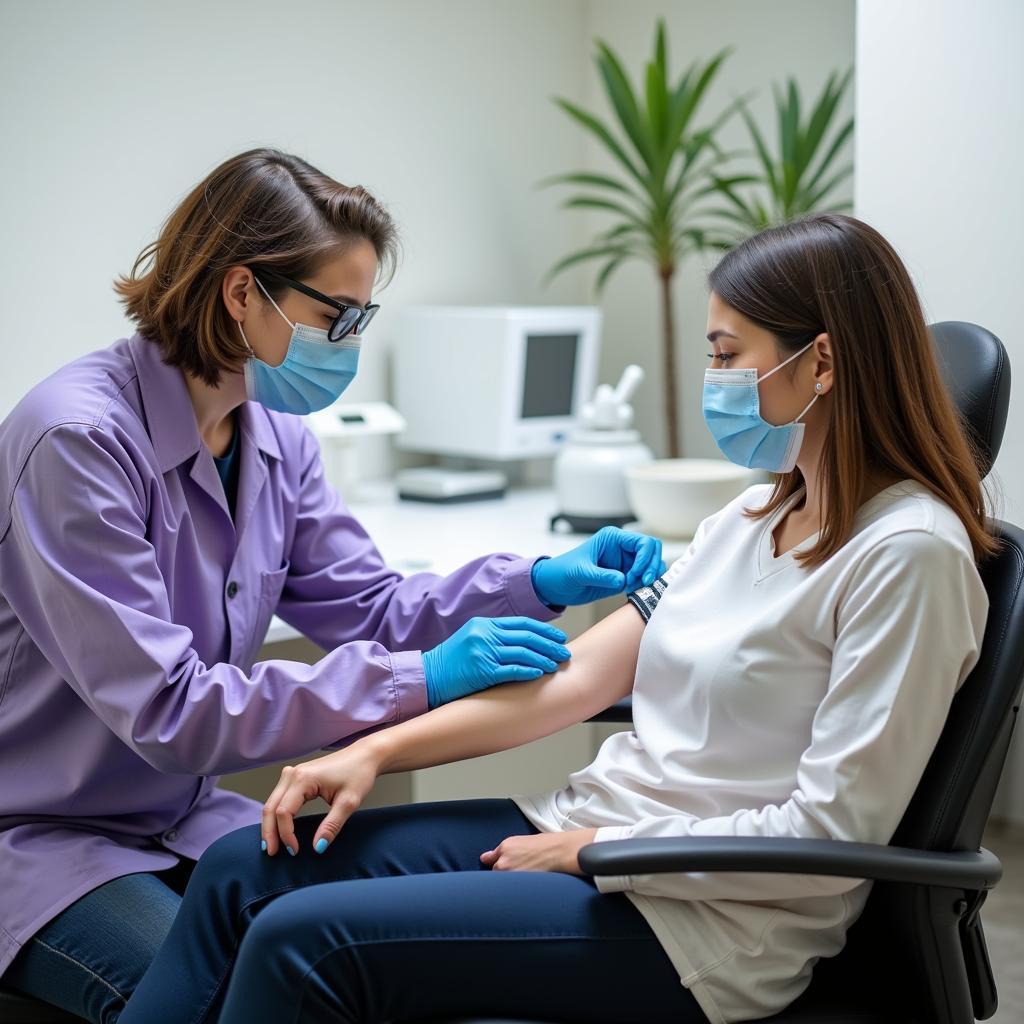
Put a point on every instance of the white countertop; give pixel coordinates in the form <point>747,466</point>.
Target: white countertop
<point>416,536</point>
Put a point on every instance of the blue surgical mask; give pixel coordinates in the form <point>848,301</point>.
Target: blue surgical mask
<point>732,412</point>
<point>314,372</point>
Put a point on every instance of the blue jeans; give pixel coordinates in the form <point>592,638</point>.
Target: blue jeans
<point>399,921</point>
<point>90,957</point>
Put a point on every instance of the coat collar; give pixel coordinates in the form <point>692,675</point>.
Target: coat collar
<point>169,414</point>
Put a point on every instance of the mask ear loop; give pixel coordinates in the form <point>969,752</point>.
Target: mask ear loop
<point>275,305</point>
<point>774,369</point>
<point>245,339</point>
<point>806,407</point>
<point>789,360</point>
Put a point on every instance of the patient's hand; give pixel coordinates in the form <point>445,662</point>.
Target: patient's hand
<point>342,778</point>
<point>546,851</point>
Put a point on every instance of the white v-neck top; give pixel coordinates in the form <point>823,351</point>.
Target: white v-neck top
<point>773,700</point>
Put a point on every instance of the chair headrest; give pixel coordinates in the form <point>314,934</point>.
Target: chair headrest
<point>976,370</point>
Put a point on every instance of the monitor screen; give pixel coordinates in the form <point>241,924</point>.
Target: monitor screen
<point>550,374</point>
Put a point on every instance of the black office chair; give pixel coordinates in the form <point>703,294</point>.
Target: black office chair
<point>917,954</point>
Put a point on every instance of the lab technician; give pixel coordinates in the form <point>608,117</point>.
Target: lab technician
<point>790,675</point>
<point>160,500</point>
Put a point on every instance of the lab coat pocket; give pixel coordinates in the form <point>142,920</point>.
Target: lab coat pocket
<point>271,584</point>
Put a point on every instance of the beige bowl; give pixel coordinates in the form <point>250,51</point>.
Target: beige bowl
<point>670,497</point>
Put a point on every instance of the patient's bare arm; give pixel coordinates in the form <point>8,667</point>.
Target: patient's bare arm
<point>599,673</point>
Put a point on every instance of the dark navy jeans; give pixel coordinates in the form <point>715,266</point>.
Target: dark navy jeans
<point>399,921</point>
<point>90,957</point>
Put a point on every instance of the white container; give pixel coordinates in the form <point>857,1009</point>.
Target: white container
<point>590,473</point>
<point>670,497</point>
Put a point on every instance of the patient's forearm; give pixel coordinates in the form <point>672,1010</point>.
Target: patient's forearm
<point>599,673</point>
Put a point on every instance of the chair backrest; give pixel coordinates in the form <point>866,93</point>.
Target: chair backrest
<point>976,371</point>
<point>922,934</point>
<point>954,797</point>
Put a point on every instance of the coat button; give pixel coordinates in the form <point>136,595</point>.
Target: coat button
<point>232,588</point>
<point>171,834</point>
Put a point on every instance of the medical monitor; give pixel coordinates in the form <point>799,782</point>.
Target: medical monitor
<point>493,382</point>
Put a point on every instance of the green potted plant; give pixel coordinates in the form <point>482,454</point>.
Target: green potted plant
<point>801,175</point>
<point>668,166</point>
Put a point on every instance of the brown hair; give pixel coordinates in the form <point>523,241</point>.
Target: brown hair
<point>891,411</point>
<point>261,207</point>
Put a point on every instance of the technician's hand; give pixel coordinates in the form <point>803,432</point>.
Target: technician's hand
<point>611,562</point>
<point>485,652</point>
<point>546,851</point>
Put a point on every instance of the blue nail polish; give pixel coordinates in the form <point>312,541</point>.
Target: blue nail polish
<point>290,850</point>
<point>321,845</point>
<point>263,845</point>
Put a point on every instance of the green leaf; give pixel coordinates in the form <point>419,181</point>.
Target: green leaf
<point>587,254</point>
<point>814,198</point>
<point>620,92</point>
<point>586,178</point>
<point>657,108</point>
<point>594,125</point>
<point>845,132</point>
<point>687,98</point>
<point>620,230</point>
<point>767,163</point>
<point>747,218</point>
<point>661,50</point>
<point>822,114</point>
<point>606,272</point>
<point>599,203</point>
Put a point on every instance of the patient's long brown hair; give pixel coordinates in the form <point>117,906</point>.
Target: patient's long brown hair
<point>890,409</point>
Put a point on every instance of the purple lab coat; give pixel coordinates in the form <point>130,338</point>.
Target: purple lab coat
<point>132,607</point>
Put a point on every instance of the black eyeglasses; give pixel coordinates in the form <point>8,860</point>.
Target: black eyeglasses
<point>349,318</point>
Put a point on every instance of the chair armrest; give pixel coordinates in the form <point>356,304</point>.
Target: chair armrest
<point>967,870</point>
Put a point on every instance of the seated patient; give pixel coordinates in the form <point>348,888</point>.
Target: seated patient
<point>790,673</point>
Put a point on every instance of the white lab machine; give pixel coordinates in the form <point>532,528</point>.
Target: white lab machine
<point>489,382</point>
<point>590,471</point>
<point>338,429</point>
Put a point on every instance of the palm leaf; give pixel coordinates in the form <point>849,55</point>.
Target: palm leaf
<point>606,271</point>
<point>594,125</point>
<point>586,178</point>
<point>845,132</point>
<point>620,92</point>
<point>595,253</point>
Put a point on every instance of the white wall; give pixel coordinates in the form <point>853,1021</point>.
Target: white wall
<point>940,143</point>
<point>111,111</point>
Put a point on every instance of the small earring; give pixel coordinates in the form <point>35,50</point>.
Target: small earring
<point>817,387</point>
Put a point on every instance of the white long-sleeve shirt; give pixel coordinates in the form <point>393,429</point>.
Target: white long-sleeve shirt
<point>773,700</point>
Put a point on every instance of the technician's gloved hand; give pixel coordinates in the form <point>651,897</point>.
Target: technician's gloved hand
<point>611,562</point>
<point>485,652</point>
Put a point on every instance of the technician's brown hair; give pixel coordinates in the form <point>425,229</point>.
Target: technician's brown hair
<point>891,411</point>
<point>259,208</point>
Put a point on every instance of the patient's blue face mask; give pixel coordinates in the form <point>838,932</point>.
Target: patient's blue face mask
<point>732,412</point>
<point>314,372</point>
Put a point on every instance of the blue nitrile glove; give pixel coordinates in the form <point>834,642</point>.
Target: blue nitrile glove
<point>485,652</point>
<point>611,562</point>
